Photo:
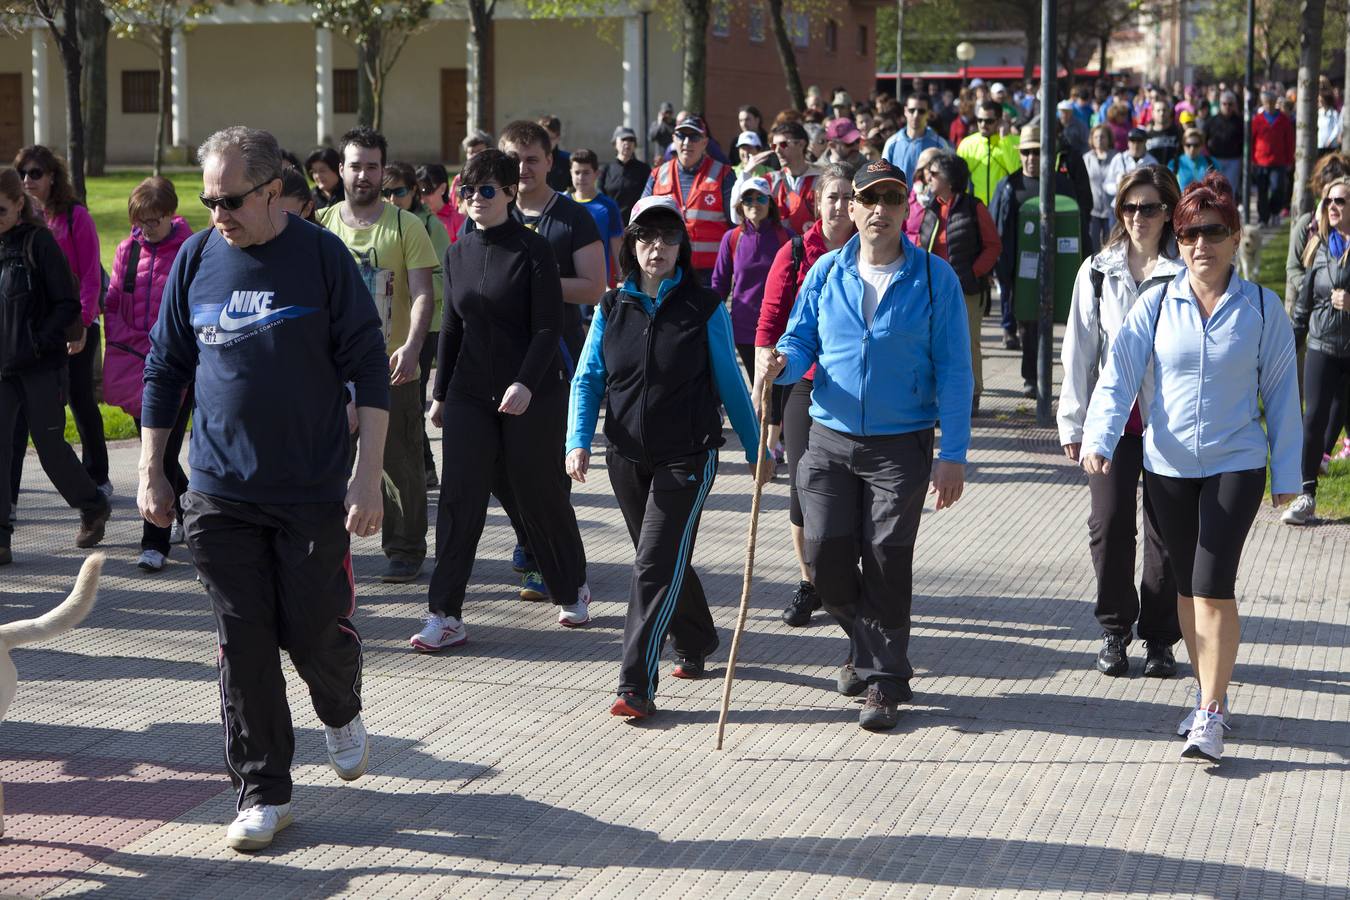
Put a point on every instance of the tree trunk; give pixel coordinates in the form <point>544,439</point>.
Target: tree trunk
<point>786,55</point>
<point>1345,132</point>
<point>695,23</point>
<point>1032,30</point>
<point>69,46</point>
<point>93,28</point>
<point>481,40</point>
<point>1102,42</point>
<point>1311,16</point>
<point>367,61</point>
<point>164,39</point>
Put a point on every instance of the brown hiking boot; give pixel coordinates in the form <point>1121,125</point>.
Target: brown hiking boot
<point>92,526</point>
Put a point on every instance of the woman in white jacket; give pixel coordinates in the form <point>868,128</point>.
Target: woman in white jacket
<point>1141,252</point>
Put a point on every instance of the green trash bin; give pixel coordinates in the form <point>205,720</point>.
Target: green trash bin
<point>1068,240</point>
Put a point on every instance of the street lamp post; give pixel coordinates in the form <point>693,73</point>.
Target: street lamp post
<point>965,52</point>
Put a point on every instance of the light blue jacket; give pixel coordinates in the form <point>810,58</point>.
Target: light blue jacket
<point>903,151</point>
<point>588,384</point>
<point>910,368</point>
<point>1204,416</point>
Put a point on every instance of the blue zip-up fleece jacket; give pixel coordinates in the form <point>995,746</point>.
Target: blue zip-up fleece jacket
<point>588,384</point>
<point>268,336</point>
<point>910,368</point>
<point>1204,416</point>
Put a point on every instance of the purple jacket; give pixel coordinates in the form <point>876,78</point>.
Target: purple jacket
<point>132,314</point>
<point>743,278</point>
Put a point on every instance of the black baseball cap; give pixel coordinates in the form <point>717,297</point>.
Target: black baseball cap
<point>877,172</point>
<point>1137,134</point>
<point>692,123</point>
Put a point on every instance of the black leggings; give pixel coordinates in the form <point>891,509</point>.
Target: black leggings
<point>796,429</point>
<point>1204,523</point>
<point>84,409</point>
<point>1324,380</point>
<point>747,352</point>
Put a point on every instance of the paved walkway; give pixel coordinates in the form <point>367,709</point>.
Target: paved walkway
<point>496,769</point>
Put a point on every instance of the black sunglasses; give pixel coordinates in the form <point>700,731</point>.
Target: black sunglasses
<point>916,109</point>
<point>1213,232</point>
<point>230,203</point>
<point>671,237</point>
<point>1189,146</point>
<point>984,121</point>
<point>399,192</point>
<point>1143,210</point>
<point>1336,201</point>
<point>486,191</point>
<point>872,198</point>
<point>33,174</point>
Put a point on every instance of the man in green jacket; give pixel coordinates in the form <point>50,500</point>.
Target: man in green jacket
<point>991,156</point>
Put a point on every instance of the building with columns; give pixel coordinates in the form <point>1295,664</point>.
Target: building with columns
<point>266,65</point>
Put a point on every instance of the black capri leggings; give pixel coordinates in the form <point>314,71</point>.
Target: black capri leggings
<point>1204,523</point>
<point>796,428</point>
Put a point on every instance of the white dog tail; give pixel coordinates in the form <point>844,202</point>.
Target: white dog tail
<point>65,617</point>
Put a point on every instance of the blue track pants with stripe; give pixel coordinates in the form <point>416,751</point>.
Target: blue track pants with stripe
<point>661,505</point>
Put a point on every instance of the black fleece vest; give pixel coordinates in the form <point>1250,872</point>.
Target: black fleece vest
<point>662,402</point>
<point>963,238</point>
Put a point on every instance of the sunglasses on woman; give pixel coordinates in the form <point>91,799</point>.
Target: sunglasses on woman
<point>1336,201</point>
<point>671,237</point>
<point>757,199</point>
<point>399,192</point>
<point>33,174</point>
<point>1212,232</point>
<point>1142,210</point>
<point>486,191</point>
<point>231,202</point>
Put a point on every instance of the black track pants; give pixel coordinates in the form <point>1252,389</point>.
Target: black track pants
<point>661,506</point>
<point>279,578</point>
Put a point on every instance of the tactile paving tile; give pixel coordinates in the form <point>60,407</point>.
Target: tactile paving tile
<point>496,770</point>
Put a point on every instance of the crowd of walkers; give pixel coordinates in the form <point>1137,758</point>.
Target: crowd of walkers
<point>831,277</point>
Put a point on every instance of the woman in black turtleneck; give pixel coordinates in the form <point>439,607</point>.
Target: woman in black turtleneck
<point>500,392</point>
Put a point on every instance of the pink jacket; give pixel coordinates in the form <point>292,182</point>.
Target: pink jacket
<point>132,314</point>
<point>78,239</point>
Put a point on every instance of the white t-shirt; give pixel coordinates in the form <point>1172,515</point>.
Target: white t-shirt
<point>875,281</point>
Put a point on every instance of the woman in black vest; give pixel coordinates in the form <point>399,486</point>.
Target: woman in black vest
<point>957,227</point>
<point>500,393</point>
<point>660,352</point>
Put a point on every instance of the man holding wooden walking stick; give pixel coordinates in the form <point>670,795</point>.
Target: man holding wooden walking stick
<point>885,324</point>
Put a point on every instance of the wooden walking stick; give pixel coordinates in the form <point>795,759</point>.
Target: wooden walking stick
<point>764,460</point>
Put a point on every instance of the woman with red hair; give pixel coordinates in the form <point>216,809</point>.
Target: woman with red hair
<point>1221,349</point>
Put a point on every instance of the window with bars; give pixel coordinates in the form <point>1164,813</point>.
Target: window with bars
<point>756,23</point>
<point>721,18</point>
<point>140,91</point>
<point>344,91</point>
<point>798,29</point>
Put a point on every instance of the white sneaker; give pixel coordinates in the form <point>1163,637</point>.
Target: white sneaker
<point>1302,511</point>
<point>438,633</point>
<point>176,533</point>
<point>150,561</point>
<point>254,828</point>
<point>106,489</point>
<point>1184,727</point>
<point>574,615</point>
<point>348,749</point>
<point>1206,738</point>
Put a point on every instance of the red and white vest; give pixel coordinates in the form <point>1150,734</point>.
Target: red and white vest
<point>705,213</point>
<point>796,208</point>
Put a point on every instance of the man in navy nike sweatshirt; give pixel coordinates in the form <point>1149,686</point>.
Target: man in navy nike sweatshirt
<point>265,318</point>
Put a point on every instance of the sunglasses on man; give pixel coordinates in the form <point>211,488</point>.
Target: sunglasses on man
<point>1212,232</point>
<point>229,202</point>
<point>892,197</point>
